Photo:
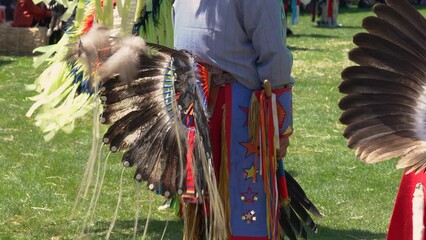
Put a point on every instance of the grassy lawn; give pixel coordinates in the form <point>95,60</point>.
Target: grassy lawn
<point>39,180</point>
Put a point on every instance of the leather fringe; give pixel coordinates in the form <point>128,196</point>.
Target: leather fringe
<point>224,174</point>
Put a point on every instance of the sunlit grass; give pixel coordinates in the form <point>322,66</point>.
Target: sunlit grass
<point>39,180</point>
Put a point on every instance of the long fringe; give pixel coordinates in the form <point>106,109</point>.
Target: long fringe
<point>88,173</point>
<point>148,216</point>
<point>101,183</point>
<point>217,218</point>
<point>224,174</point>
<point>137,209</point>
<point>192,222</point>
<point>100,176</point>
<point>165,229</point>
<point>120,193</point>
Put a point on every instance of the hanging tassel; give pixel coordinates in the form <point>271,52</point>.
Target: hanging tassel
<point>192,220</point>
<point>224,174</point>
<point>189,195</point>
<point>268,161</point>
<point>418,212</point>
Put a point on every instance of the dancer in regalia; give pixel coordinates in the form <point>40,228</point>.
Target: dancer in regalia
<point>200,125</point>
<point>385,107</point>
<point>237,57</point>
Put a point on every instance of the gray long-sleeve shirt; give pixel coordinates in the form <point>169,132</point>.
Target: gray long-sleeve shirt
<point>242,37</point>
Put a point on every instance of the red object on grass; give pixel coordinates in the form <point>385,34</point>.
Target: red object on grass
<point>401,224</point>
<point>27,14</point>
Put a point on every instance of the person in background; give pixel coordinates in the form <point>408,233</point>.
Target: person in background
<point>328,12</point>
<point>9,8</point>
<point>28,14</point>
<point>287,10</point>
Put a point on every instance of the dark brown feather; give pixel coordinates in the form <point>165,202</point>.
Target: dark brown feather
<point>353,128</point>
<point>172,173</point>
<point>142,89</point>
<point>369,41</point>
<point>130,123</point>
<point>404,8</point>
<point>358,114</point>
<point>367,99</point>
<point>376,86</point>
<point>383,60</point>
<point>145,152</point>
<point>370,72</point>
<point>295,216</point>
<point>286,225</point>
<point>399,21</point>
<point>388,31</point>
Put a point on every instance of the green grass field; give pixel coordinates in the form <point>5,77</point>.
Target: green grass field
<point>39,180</point>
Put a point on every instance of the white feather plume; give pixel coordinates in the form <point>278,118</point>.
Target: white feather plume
<point>125,59</point>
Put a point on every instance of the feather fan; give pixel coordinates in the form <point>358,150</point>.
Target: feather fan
<point>385,105</point>
<point>149,93</point>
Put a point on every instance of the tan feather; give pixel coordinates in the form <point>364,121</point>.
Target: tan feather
<point>409,159</point>
<point>389,142</point>
<point>379,131</point>
<point>369,122</point>
<point>387,152</point>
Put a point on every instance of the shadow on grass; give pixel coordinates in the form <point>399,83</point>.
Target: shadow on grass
<point>350,27</point>
<point>340,27</point>
<point>294,48</point>
<point>355,9</point>
<point>5,62</point>
<point>123,229</point>
<point>322,36</point>
<point>325,233</point>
